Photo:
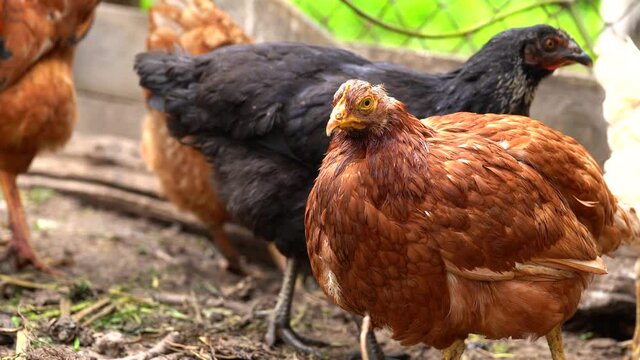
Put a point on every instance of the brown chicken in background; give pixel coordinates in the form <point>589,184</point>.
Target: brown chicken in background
<point>197,27</point>
<point>37,96</point>
<point>464,223</point>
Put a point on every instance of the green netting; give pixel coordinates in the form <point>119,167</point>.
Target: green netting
<point>456,17</point>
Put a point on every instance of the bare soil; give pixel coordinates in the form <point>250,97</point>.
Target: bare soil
<point>154,279</point>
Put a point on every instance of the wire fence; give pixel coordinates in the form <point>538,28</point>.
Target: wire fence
<point>461,27</point>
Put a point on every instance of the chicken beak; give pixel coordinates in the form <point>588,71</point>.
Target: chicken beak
<point>575,54</point>
<point>340,118</point>
<point>338,115</point>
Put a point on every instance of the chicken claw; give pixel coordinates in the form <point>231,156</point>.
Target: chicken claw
<point>279,327</point>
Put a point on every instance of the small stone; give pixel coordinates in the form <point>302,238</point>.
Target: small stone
<point>110,344</point>
<point>64,330</point>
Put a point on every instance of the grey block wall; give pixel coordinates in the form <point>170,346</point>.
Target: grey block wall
<point>110,100</point>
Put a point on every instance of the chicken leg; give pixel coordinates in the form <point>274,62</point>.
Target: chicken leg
<point>20,244</point>
<point>454,351</point>
<point>369,347</point>
<point>554,339</point>
<point>279,327</point>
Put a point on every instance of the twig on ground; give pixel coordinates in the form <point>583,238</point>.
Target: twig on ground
<point>300,315</point>
<point>88,310</point>
<point>171,298</point>
<point>104,312</point>
<point>161,348</point>
<point>25,283</point>
<point>196,307</point>
<point>22,342</point>
<point>65,307</point>
<point>9,331</point>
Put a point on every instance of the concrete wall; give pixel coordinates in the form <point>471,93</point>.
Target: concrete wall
<point>110,100</point>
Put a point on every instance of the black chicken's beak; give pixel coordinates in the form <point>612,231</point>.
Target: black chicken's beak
<point>575,54</point>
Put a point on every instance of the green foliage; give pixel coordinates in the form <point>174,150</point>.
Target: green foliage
<point>41,341</point>
<point>586,335</point>
<point>438,17</point>
<point>80,290</point>
<point>16,321</point>
<point>146,4</point>
<point>76,344</point>
<point>39,195</point>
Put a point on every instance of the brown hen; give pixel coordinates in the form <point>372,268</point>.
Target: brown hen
<point>37,97</point>
<point>197,27</point>
<point>437,232</point>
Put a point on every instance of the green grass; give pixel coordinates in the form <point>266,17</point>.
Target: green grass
<point>39,195</point>
<point>427,16</point>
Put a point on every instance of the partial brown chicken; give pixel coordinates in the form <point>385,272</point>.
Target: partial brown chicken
<point>37,97</point>
<point>464,223</point>
<point>197,27</point>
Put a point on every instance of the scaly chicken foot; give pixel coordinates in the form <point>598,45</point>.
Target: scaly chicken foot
<point>554,339</point>
<point>635,343</point>
<point>19,247</point>
<point>279,327</point>
<point>454,351</point>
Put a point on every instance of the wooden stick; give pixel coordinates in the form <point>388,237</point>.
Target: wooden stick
<point>117,200</point>
<point>22,342</point>
<point>65,307</point>
<point>196,307</point>
<point>161,348</point>
<point>88,310</point>
<point>104,312</point>
<point>25,283</point>
<point>9,331</point>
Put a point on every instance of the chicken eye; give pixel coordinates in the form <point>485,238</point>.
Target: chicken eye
<point>550,44</point>
<point>366,103</point>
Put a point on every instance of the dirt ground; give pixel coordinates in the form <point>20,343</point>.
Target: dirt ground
<point>129,283</point>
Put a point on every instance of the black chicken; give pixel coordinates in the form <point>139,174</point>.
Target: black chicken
<point>258,112</point>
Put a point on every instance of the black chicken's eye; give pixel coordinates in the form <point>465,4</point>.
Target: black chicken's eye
<point>550,44</point>
<point>367,102</point>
